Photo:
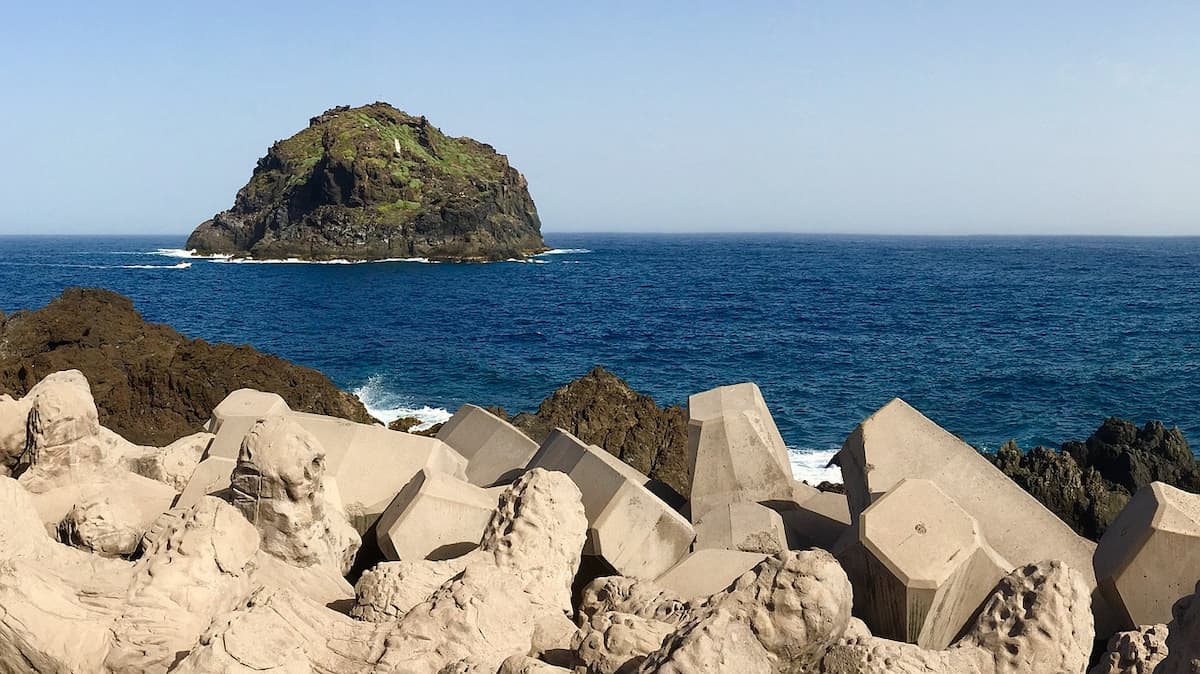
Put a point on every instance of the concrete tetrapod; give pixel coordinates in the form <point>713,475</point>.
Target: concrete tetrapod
<point>632,530</point>
<point>370,463</point>
<point>434,517</point>
<point>1150,557</point>
<point>897,442</point>
<point>925,566</point>
<point>495,450</point>
<point>735,452</point>
<point>1036,620</point>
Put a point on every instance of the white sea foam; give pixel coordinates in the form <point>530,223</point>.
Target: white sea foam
<point>566,251</point>
<point>387,406</point>
<point>229,259</point>
<point>188,254</point>
<point>527,260</point>
<point>181,265</point>
<point>809,465</point>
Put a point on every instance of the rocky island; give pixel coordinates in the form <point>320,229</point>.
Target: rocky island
<point>373,182</point>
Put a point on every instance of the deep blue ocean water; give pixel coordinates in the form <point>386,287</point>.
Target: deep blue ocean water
<point>1036,339</point>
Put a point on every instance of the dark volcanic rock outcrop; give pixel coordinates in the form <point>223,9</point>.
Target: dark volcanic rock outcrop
<point>373,182</point>
<point>152,384</point>
<point>1088,483</point>
<point>601,409</point>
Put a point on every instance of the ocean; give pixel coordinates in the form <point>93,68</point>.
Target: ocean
<point>1031,338</point>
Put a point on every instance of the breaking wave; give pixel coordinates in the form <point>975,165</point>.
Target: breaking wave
<point>181,265</point>
<point>387,406</point>
<point>809,465</point>
<point>566,251</point>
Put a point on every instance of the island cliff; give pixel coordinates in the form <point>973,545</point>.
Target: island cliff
<point>374,182</point>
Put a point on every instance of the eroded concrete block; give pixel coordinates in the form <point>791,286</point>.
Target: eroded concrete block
<point>495,450</point>
<point>632,529</point>
<point>898,442</point>
<point>707,572</point>
<point>748,527</point>
<point>435,517</point>
<point>1150,557</point>
<point>927,567</point>
<point>735,452</point>
<point>369,463</point>
<point>233,417</point>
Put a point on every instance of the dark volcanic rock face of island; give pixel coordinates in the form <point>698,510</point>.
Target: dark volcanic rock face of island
<point>374,183</point>
<point>152,384</point>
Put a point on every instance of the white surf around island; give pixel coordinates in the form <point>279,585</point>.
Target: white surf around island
<point>565,251</point>
<point>181,265</point>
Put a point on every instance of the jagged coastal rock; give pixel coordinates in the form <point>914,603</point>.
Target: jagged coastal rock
<point>374,182</point>
<point>1088,483</point>
<point>601,409</point>
<point>153,384</point>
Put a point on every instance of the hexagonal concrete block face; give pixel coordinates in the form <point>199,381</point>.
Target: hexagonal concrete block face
<point>435,517</point>
<point>898,442</point>
<point>495,450</point>
<point>631,528</point>
<point>1149,557</point>
<point>735,452</point>
<point>232,418</point>
<point>707,572</point>
<point>748,527</point>
<point>927,567</point>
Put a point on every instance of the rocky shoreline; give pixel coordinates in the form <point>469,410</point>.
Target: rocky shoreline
<point>600,534</point>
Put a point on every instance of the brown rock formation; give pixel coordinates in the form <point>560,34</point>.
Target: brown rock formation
<point>152,384</point>
<point>601,409</point>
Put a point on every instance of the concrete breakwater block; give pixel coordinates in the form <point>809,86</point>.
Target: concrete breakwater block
<point>630,528</point>
<point>1150,557</point>
<point>925,567</point>
<point>496,452</point>
<point>898,442</point>
<point>369,463</point>
<point>735,452</point>
<point>435,517</point>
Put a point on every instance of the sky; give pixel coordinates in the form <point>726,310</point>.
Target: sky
<point>843,117</point>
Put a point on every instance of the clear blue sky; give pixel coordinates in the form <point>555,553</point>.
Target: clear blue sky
<point>1059,117</point>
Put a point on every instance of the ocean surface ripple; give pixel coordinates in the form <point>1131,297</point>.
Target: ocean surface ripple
<point>1036,339</point>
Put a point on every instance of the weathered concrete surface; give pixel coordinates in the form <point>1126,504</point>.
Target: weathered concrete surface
<point>1037,620</point>
<point>897,442</point>
<point>780,617</point>
<point>1183,637</point>
<point>744,526</point>
<point>812,519</point>
<point>927,567</point>
<point>1150,557</point>
<point>735,452</point>
<point>435,517</point>
<point>634,531</point>
<point>707,572</point>
<point>495,450</point>
<point>1136,652</point>
<point>372,464</point>
<point>233,417</point>
<point>369,463</point>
